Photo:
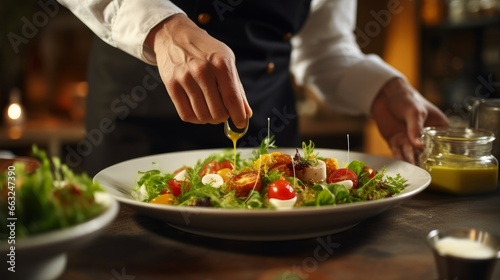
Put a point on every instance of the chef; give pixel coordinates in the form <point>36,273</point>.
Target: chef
<point>163,75</point>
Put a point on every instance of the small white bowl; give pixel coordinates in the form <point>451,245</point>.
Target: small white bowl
<point>43,256</point>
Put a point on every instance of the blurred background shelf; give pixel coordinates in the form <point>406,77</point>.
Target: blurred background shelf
<point>48,133</point>
<point>460,53</point>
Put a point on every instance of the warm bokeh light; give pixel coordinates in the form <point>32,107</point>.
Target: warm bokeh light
<point>14,111</point>
<point>14,132</point>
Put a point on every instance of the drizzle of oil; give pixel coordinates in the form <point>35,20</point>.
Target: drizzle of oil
<point>234,136</point>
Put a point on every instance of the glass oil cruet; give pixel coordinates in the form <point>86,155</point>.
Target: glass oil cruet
<point>459,160</point>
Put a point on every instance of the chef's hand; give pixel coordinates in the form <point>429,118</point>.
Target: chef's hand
<point>401,113</point>
<point>199,73</point>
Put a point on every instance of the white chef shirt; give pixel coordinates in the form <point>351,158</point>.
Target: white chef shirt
<point>325,55</point>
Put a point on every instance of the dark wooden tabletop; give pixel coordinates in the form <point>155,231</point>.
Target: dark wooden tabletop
<point>388,246</point>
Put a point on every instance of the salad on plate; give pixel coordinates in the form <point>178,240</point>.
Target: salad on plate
<point>270,180</point>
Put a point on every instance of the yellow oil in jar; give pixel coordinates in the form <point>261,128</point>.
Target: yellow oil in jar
<point>459,160</point>
<point>463,180</point>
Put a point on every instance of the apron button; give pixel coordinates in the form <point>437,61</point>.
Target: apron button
<point>204,18</point>
<point>287,36</point>
<point>270,68</point>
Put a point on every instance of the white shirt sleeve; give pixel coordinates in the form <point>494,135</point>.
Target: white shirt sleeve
<point>123,24</point>
<point>327,59</point>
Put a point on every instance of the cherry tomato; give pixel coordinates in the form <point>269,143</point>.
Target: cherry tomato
<point>282,168</point>
<point>244,182</point>
<point>226,164</point>
<point>175,187</point>
<point>281,189</point>
<point>209,168</point>
<point>212,167</point>
<point>74,190</point>
<point>342,174</point>
<point>282,164</point>
<point>181,169</point>
<point>371,172</point>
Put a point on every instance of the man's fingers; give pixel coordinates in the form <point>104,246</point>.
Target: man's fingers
<point>198,71</point>
<point>231,91</point>
<point>415,120</point>
<point>182,103</point>
<point>211,95</point>
<point>401,148</point>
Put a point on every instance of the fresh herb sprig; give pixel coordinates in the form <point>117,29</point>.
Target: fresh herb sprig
<point>309,158</point>
<point>266,144</point>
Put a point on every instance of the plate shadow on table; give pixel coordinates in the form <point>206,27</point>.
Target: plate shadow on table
<point>341,242</point>
<point>153,248</point>
<point>370,235</point>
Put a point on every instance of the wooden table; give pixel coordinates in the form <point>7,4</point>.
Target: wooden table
<point>389,246</point>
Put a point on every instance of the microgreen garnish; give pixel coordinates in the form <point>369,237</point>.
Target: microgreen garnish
<point>266,144</point>
<point>309,157</point>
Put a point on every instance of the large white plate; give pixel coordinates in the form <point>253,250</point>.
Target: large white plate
<point>263,224</point>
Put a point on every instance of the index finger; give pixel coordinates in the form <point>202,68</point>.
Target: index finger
<point>232,93</point>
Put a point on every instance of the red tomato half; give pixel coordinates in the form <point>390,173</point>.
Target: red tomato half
<point>283,168</point>
<point>226,164</point>
<point>282,164</point>
<point>175,187</point>
<point>371,172</point>
<point>209,168</point>
<point>212,167</point>
<point>244,182</point>
<point>342,174</point>
<point>281,189</point>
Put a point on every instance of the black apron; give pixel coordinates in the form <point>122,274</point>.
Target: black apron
<point>129,112</point>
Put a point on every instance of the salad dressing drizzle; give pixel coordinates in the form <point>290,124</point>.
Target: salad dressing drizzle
<point>234,136</point>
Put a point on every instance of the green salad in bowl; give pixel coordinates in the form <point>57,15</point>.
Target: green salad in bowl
<point>45,212</point>
<point>49,198</point>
